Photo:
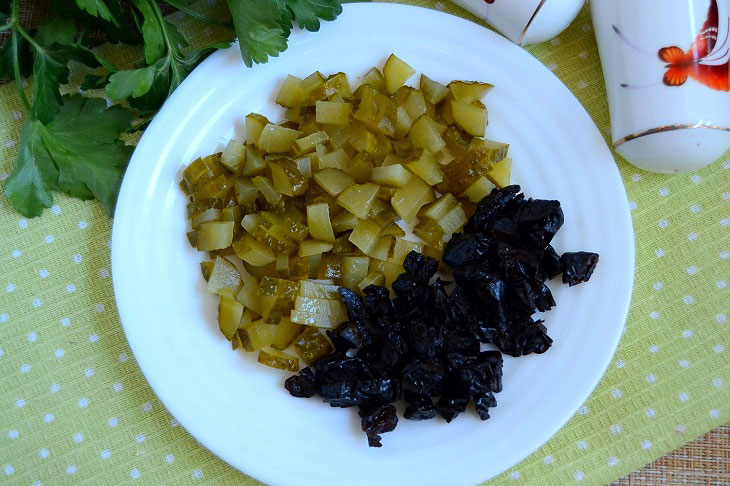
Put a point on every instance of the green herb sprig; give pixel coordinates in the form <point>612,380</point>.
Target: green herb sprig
<point>72,143</point>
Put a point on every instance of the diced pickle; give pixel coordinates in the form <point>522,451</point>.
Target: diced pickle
<point>361,168</point>
<point>424,165</point>
<point>376,111</point>
<point>206,268</point>
<point>335,84</point>
<point>344,221</point>
<point>215,188</point>
<point>255,124</point>
<point>394,230</point>
<point>312,346</point>
<point>487,152</point>
<point>342,245</point>
<point>373,278</point>
<point>408,199</point>
<point>337,159</point>
<point>365,235</point>
<point>318,290</point>
<point>304,165</point>
<point>253,252</point>
<point>469,91</point>
<point>229,315</point>
<point>215,235</point>
<point>233,156</point>
<point>331,113</point>
<point>396,72</point>
<point>457,142</point>
<point>333,181</point>
<point>256,335</point>
<point>438,208</point>
<point>276,139</point>
<point>282,265</point>
<point>453,220</point>
<point>210,214</point>
<point>391,175</point>
<point>479,189</point>
<point>382,248</point>
<point>316,305</point>
<point>415,104</point>
<point>433,92</point>
<point>245,191</point>
<point>312,82</point>
<point>425,134</point>
<point>318,220</point>
<point>404,247</point>
<point>306,144</point>
<point>430,232</point>
<point>470,117</point>
<point>330,267</point>
<point>267,189</point>
<point>501,172</point>
<point>375,79</point>
<point>277,298</point>
<point>286,332</point>
<point>248,295</point>
<point>270,356</point>
<point>328,321</point>
<point>291,93</point>
<point>224,277</point>
<point>362,139</point>
<point>254,162</point>
<point>354,269</point>
<point>312,247</point>
<point>403,122</point>
<point>358,199</point>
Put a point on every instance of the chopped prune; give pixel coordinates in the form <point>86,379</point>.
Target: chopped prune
<point>424,346</point>
<point>378,420</point>
<point>420,407</point>
<point>302,384</point>
<point>578,266</point>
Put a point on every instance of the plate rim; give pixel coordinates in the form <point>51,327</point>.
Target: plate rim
<point>146,365</point>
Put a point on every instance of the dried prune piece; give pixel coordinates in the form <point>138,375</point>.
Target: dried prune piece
<point>339,393</point>
<point>524,338</point>
<point>550,263</point>
<point>489,206</point>
<point>464,248</point>
<point>451,406</point>
<point>424,376</point>
<point>539,220</point>
<point>379,390</point>
<point>337,367</point>
<point>578,266</point>
<point>505,230</point>
<point>302,384</point>
<point>423,267</point>
<point>420,407</point>
<point>376,421</point>
<point>483,404</point>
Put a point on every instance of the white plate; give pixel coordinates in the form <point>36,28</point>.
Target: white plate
<point>238,409</point>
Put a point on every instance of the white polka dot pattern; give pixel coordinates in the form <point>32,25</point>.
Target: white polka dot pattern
<point>77,403</point>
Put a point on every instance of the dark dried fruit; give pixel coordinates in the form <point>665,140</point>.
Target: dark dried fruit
<point>578,267</point>
<point>425,345</point>
<point>302,384</point>
<point>377,421</point>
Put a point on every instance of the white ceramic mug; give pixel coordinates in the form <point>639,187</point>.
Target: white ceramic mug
<point>525,21</point>
<point>665,63</point>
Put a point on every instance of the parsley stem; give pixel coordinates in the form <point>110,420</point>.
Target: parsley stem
<point>16,63</point>
<point>6,27</point>
<point>30,39</point>
<point>197,15</point>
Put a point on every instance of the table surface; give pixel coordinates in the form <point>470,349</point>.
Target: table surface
<point>76,408</point>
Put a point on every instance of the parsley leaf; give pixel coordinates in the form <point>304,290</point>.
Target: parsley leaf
<point>152,32</point>
<point>98,8</point>
<point>260,33</point>
<point>79,152</point>
<point>35,176</point>
<point>308,12</point>
<point>263,26</point>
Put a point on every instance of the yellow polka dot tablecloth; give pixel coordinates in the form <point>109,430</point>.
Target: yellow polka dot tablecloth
<point>75,408</point>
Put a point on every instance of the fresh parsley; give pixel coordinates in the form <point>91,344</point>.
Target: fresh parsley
<point>72,143</point>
